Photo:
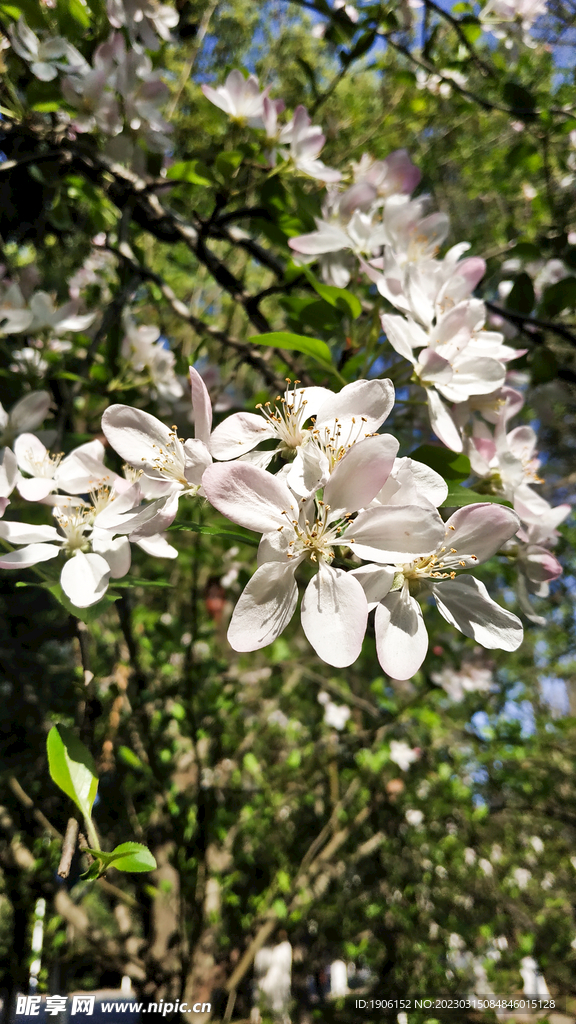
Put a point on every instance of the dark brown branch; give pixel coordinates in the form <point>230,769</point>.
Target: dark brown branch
<point>525,322</point>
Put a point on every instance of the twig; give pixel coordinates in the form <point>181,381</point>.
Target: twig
<point>524,321</point>
<point>28,802</point>
<point>68,848</point>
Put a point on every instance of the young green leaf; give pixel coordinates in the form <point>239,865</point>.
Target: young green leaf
<point>72,768</point>
<point>312,347</point>
<point>458,496</point>
<point>449,465</point>
<point>126,857</point>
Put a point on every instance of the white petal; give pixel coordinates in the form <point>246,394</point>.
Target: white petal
<point>155,518</point>
<point>115,551</point>
<point>4,502</point>
<point>35,488</point>
<point>8,472</point>
<point>238,434</point>
<point>401,637</point>
<point>309,470</point>
<point>367,401</point>
<point>395,533</point>
<point>375,580</point>
<point>202,407</point>
<point>22,533</point>
<point>265,607</point>
<point>334,615</point>
<point>361,473</point>
<point>29,450</point>
<point>466,604</point>
<point>84,579</point>
<point>125,502</point>
<point>478,532</point>
<point>328,238</point>
<point>442,423</point>
<point>157,546</point>
<point>249,496</point>
<point>402,335</point>
<point>30,411</point>
<point>473,377</point>
<point>27,556</point>
<point>137,436</point>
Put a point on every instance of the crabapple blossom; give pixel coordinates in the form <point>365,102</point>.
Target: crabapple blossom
<point>239,97</point>
<point>305,141</point>
<point>57,320</point>
<point>402,754</point>
<point>337,421</point>
<point>146,20</point>
<point>45,56</point>
<point>295,530</point>
<point>143,348</point>
<point>395,174</point>
<point>472,535</point>
<point>457,359</point>
<point>15,317</point>
<point>469,678</point>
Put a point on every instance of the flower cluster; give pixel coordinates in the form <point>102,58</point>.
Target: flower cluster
<point>343,512</point>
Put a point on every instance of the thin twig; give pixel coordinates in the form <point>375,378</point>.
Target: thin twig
<point>68,848</point>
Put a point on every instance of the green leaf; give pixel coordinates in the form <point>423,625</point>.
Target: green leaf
<point>87,615</point>
<point>459,496</point>
<point>449,465</point>
<point>313,347</point>
<point>558,297</point>
<point>193,171</point>
<point>213,531</point>
<point>130,758</point>
<point>341,298</point>
<point>72,768</point>
<point>543,366</point>
<point>126,857</point>
<point>227,163</point>
<point>521,298</point>
<point>519,98</point>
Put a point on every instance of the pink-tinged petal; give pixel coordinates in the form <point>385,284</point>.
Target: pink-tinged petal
<point>522,442</point>
<point>360,409</point>
<point>84,579</point>
<point>477,532</point>
<point>395,533</point>
<point>4,502</point>
<point>30,555</point>
<point>137,436</point>
<point>249,496</point>
<point>466,604</point>
<point>30,411</point>
<point>218,98</point>
<point>361,473</point>
<point>540,565</point>
<point>265,607</point>
<point>116,551</point>
<point>35,488</point>
<point>156,518</point>
<point>334,616</point>
<point>21,533</point>
<point>401,636</point>
<point>442,423</point>
<point>403,336</point>
<point>238,434</point>
<point>157,546</point>
<point>202,407</point>
<point>375,580</point>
